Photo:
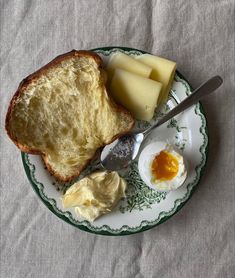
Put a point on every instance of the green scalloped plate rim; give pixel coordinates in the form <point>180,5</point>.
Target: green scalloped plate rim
<point>149,226</point>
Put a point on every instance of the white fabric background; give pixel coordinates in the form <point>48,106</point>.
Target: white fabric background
<point>199,240</point>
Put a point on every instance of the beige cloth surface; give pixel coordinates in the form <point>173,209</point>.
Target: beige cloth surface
<point>199,240</point>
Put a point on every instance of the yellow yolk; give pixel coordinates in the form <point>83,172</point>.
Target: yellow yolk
<point>165,166</point>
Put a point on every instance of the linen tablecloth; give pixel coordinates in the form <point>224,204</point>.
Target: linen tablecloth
<point>199,240</point>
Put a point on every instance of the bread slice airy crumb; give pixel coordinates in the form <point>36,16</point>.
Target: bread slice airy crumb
<point>64,113</point>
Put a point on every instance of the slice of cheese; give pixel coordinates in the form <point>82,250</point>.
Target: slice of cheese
<point>163,71</point>
<point>138,94</point>
<point>123,61</point>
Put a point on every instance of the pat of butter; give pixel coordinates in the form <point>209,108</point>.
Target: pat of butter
<point>136,93</point>
<point>95,195</point>
<point>123,61</point>
<point>163,71</point>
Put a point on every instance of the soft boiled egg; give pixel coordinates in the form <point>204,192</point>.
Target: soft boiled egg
<point>161,167</point>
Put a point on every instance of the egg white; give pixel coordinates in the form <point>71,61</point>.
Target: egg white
<point>145,161</point>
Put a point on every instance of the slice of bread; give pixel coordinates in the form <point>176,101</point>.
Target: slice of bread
<point>64,113</point>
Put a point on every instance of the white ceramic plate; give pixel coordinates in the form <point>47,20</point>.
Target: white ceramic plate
<point>143,208</point>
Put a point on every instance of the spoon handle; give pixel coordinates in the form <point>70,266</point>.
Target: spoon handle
<point>205,89</point>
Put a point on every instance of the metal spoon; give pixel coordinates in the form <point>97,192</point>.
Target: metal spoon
<point>122,151</point>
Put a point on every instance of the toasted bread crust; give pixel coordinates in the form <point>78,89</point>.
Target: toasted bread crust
<point>28,80</point>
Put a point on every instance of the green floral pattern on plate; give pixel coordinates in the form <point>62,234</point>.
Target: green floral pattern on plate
<point>139,195</point>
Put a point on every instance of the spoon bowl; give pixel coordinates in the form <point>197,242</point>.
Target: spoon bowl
<point>121,152</point>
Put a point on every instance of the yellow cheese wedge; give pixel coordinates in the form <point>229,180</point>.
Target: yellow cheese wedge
<point>163,71</point>
<point>123,61</point>
<point>138,94</point>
